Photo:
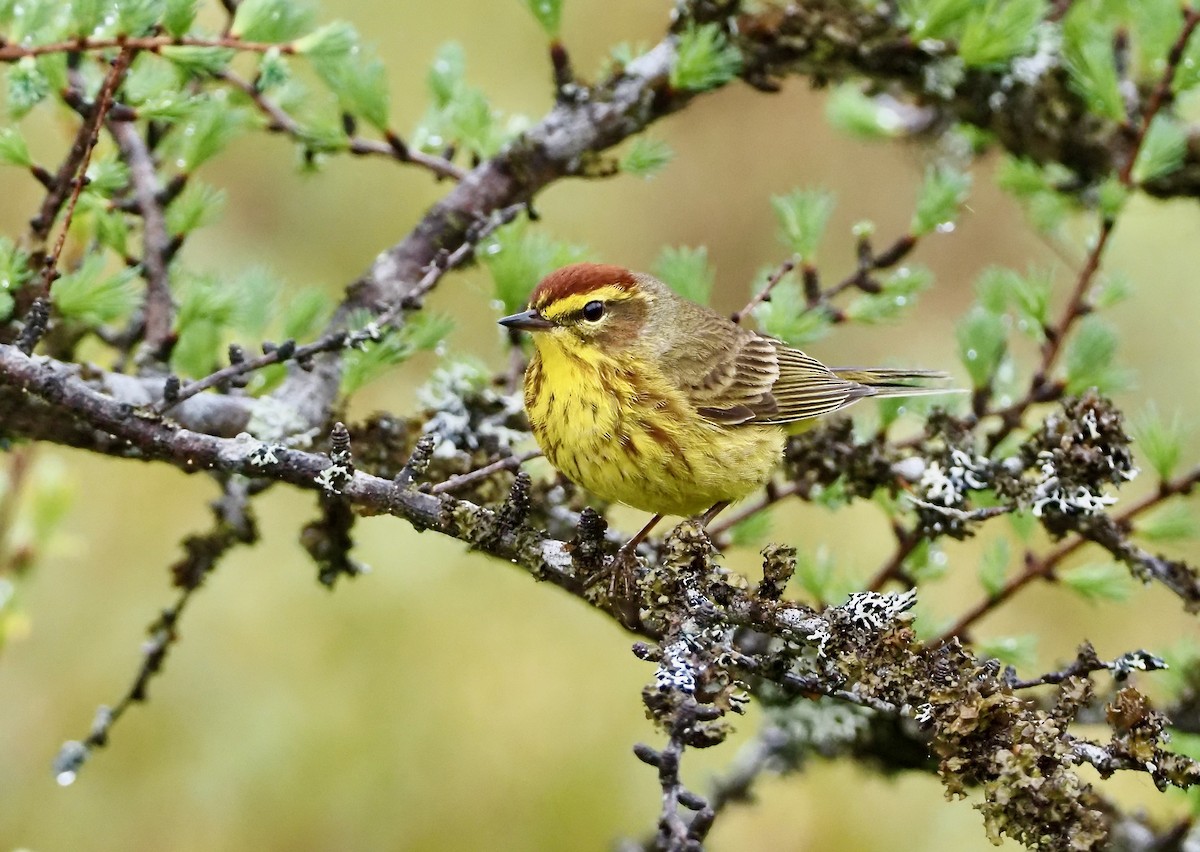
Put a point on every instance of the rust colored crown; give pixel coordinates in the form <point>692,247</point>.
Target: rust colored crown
<point>580,278</point>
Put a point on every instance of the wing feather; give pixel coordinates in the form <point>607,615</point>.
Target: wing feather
<point>733,376</point>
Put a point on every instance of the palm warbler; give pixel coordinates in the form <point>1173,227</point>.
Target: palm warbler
<point>648,399</point>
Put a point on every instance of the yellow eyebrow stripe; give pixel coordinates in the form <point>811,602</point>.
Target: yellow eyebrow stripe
<point>575,302</point>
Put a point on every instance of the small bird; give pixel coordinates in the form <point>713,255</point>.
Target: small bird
<point>648,399</point>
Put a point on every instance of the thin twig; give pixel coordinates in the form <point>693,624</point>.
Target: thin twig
<point>893,569</point>
<point>393,148</point>
<point>1041,389</point>
<point>20,463</point>
<point>341,339</point>
<point>234,525</point>
<point>1044,567</point>
<point>764,294</point>
<point>1162,92</point>
<point>158,311</point>
<point>13,51</point>
<point>455,483</point>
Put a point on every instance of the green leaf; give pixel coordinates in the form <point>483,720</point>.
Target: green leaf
<point>271,20</point>
<point>178,16</point>
<point>138,17</point>
<point>752,530</point>
<point>803,215</point>
<point>1002,30</point>
<point>1160,440</point>
<point>1018,651</point>
<point>199,61</point>
<point>548,14</point>
<point>786,315</point>
<point>460,115</point>
<point>1173,521</point>
<point>206,131</point>
<point>1187,75</point>
<point>258,290</point>
<point>92,295</point>
<point>1111,196</point>
<point>1092,67</point>
<point>1100,581</point>
<point>998,287</point>
<point>423,330</point>
<point>14,266</point>
<point>1162,151</point>
<point>982,342</point>
<point>518,258</point>
<point>96,217</point>
<point>27,86</point>
<point>943,192</point>
<point>926,563</point>
<point>1024,524</point>
<point>35,22</point>
<point>994,288</point>
<point>199,204</point>
<point>858,115</point>
<point>447,74</point>
<point>13,150</point>
<point>304,314</point>
<point>1112,290</point>
<point>333,41</point>
<point>646,157</point>
<point>686,271</point>
<point>936,19</point>
<point>1021,177</point>
<point>704,59</point>
<point>85,16</point>
<point>273,71</point>
<point>7,303</point>
<point>816,574</point>
<point>993,566</point>
<point>1090,356</point>
<point>353,73</point>
<point>207,307</point>
<point>898,294</point>
<point>107,176</point>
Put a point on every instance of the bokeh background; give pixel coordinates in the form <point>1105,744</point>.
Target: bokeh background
<point>445,701</point>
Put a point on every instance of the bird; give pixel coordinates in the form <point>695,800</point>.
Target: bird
<point>646,398</point>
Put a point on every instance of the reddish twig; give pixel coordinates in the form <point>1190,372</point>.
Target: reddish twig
<point>12,51</point>
<point>90,133</point>
<point>764,295</point>
<point>1162,92</point>
<point>893,569</point>
<point>1044,567</point>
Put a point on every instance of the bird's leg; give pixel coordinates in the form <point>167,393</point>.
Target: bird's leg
<point>630,547</point>
<point>713,511</point>
<point>620,573</point>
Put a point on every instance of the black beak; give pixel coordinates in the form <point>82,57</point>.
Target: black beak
<point>527,321</point>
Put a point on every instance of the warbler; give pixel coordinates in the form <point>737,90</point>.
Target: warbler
<point>648,399</point>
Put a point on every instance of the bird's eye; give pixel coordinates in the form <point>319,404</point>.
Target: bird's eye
<point>592,311</point>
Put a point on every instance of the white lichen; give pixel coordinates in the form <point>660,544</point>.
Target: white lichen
<point>1049,494</point>
<point>876,611</point>
<point>948,486</point>
<point>675,670</point>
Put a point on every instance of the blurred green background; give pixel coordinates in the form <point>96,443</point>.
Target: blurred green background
<point>445,701</point>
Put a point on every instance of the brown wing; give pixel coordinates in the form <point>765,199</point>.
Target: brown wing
<point>747,378</point>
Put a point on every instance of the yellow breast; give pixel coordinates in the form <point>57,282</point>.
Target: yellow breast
<point>625,434</point>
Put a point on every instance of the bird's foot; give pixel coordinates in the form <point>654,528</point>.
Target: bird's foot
<point>616,585</point>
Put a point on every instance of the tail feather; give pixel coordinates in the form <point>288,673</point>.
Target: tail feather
<point>885,381</point>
